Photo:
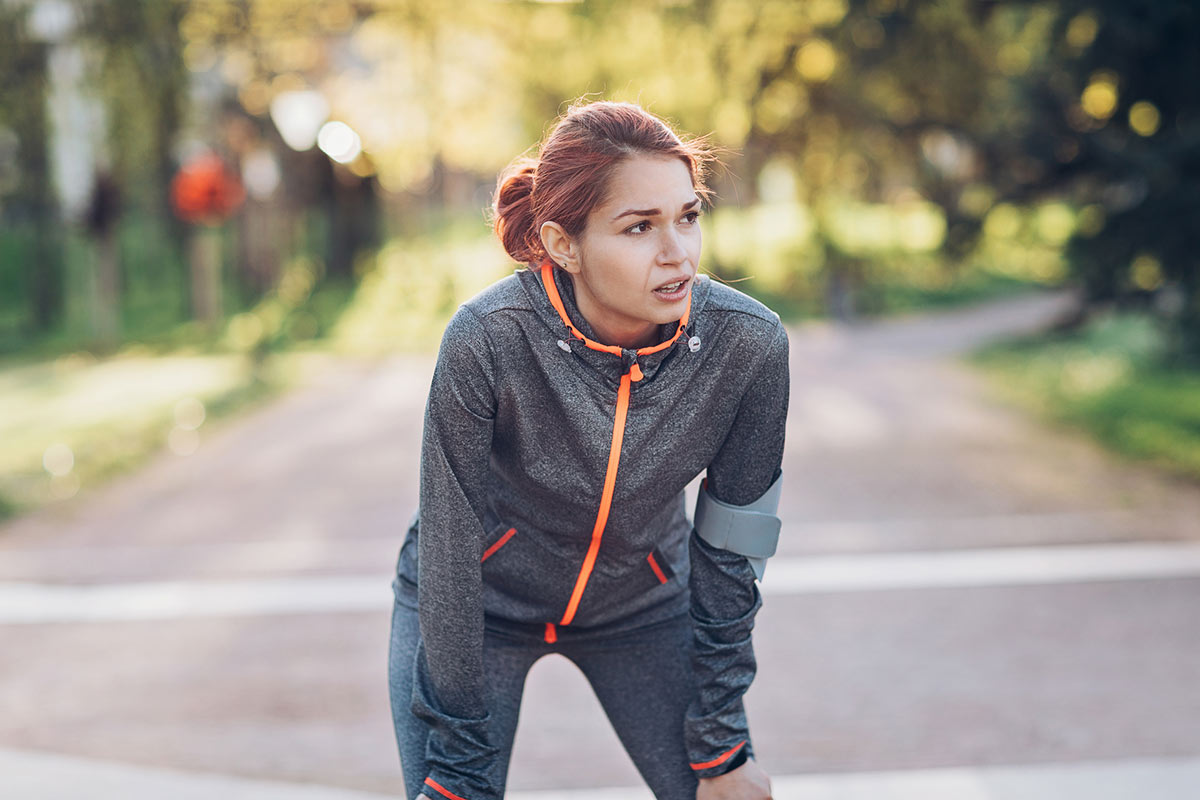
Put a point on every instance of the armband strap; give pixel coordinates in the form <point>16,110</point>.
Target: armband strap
<point>751,530</point>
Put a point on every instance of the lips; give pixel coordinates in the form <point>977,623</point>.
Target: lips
<point>674,288</point>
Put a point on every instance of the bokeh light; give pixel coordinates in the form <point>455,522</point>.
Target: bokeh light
<point>1146,272</point>
<point>1144,118</point>
<point>299,115</point>
<point>339,141</point>
<point>58,459</point>
<point>816,61</point>
<point>1082,30</point>
<point>1099,99</point>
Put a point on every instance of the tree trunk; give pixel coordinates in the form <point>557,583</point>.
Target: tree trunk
<point>205,257</point>
<point>105,300</point>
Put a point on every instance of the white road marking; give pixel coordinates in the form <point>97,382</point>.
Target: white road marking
<point>30,775</point>
<point>31,603</point>
<point>1001,566</point>
<point>37,603</point>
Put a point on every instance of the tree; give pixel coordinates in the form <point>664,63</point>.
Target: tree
<point>1125,105</point>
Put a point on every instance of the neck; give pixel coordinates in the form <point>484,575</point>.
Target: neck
<point>629,334</point>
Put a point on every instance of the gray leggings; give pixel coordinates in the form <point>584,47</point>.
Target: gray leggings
<point>642,677</point>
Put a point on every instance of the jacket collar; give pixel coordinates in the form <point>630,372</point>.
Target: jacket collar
<point>552,293</point>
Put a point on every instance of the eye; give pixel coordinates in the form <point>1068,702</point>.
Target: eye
<point>691,217</point>
<point>639,227</point>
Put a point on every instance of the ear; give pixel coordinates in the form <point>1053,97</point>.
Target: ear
<point>562,248</point>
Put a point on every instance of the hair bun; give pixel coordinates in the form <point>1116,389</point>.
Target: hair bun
<point>574,166</point>
<point>514,213</point>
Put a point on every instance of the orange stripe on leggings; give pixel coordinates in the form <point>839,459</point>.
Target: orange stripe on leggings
<point>443,791</point>
<point>503,540</point>
<point>657,571</point>
<point>721,759</point>
<point>610,482</point>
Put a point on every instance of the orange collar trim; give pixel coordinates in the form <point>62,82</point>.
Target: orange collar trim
<point>547,275</point>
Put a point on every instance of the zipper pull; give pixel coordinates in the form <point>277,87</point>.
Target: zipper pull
<point>635,372</point>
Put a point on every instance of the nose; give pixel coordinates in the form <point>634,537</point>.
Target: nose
<point>671,248</point>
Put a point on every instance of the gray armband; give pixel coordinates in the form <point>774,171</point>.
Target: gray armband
<point>751,530</point>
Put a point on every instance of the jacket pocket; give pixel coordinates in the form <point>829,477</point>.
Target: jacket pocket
<point>498,541</point>
<point>659,566</point>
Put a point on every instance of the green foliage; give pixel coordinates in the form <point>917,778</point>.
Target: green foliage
<point>889,255</point>
<point>1111,379</point>
<point>17,248</point>
<point>1076,118</point>
<point>1117,130</point>
<point>410,289</point>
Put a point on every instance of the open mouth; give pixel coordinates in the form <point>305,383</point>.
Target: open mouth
<point>670,290</point>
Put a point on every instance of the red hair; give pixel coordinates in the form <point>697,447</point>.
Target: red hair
<point>569,177</point>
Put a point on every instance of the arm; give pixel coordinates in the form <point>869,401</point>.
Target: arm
<point>448,690</point>
<point>724,597</point>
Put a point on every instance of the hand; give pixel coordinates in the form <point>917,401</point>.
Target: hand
<point>747,782</point>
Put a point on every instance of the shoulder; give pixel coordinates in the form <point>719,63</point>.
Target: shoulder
<point>725,298</point>
<point>505,294</point>
<point>477,327</point>
<point>743,319</point>
<point>471,318</point>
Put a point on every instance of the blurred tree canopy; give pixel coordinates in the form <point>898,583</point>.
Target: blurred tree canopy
<point>1088,108</point>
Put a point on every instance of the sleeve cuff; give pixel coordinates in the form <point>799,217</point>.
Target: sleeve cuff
<point>727,761</point>
<point>442,791</point>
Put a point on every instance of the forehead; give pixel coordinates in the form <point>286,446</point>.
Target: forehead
<point>645,181</point>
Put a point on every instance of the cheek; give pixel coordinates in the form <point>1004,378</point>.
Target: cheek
<point>693,245</point>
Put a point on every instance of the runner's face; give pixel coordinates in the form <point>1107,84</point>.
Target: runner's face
<point>638,255</point>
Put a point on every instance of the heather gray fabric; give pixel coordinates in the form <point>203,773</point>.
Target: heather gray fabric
<point>517,436</point>
<point>641,676</point>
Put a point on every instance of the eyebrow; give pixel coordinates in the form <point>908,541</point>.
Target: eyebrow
<point>652,212</point>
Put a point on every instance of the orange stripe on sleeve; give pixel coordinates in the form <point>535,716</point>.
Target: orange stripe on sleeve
<point>657,570</point>
<point>503,540</point>
<point>721,759</point>
<point>443,791</point>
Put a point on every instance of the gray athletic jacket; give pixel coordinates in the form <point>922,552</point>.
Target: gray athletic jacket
<point>552,479</point>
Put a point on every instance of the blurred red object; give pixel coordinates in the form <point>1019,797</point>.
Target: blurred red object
<point>204,191</point>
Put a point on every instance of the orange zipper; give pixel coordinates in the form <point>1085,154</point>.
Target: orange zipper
<point>614,453</point>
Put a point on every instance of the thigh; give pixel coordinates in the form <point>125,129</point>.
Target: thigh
<point>644,682</point>
<point>506,662</point>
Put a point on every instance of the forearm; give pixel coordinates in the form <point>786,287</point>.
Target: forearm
<point>724,596</point>
<point>448,683</point>
<point>724,604</point>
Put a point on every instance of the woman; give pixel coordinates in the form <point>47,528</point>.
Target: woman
<point>571,404</point>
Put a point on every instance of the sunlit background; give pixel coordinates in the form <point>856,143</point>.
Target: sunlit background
<point>232,232</point>
<point>195,196</point>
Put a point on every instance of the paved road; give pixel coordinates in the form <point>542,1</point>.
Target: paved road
<point>966,605</point>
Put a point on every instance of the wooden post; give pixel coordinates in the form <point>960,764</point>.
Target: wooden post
<point>205,256</point>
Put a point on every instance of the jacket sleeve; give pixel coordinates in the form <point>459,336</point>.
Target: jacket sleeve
<point>724,596</point>
<point>448,687</point>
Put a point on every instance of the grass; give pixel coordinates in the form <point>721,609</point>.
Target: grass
<point>1110,380</point>
<point>70,419</point>
<point>77,421</point>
